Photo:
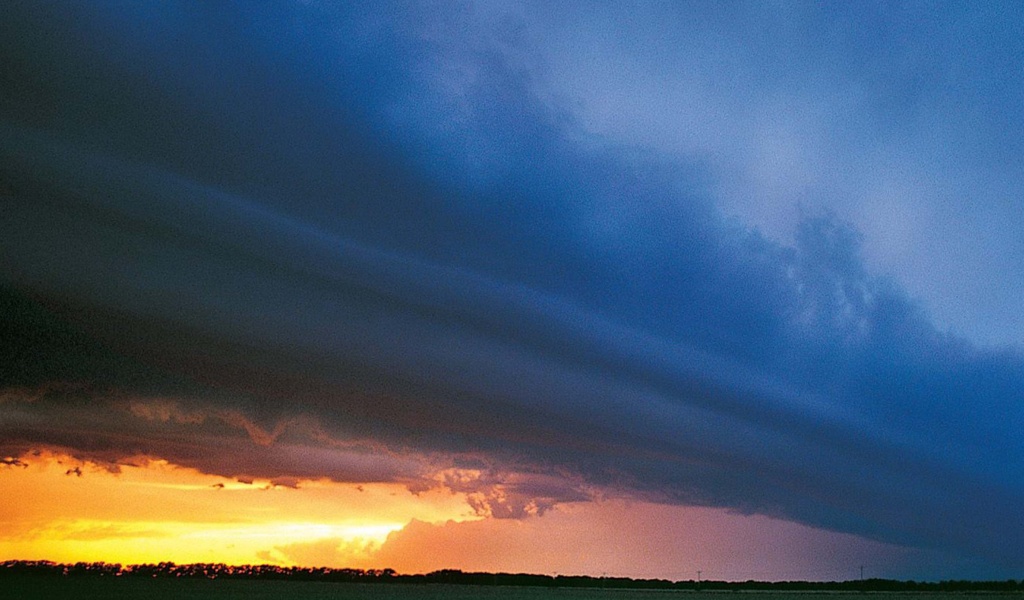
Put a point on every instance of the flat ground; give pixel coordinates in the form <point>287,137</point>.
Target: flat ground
<point>45,588</point>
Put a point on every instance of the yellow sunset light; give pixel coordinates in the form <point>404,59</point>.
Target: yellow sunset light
<point>68,511</point>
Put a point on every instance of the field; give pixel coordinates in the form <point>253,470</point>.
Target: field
<point>44,588</point>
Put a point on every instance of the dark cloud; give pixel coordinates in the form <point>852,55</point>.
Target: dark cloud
<point>117,430</point>
<point>302,228</point>
<point>513,495</point>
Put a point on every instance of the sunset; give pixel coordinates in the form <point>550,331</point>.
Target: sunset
<point>685,291</point>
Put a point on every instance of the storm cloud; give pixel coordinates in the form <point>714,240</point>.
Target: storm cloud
<point>367,245</point>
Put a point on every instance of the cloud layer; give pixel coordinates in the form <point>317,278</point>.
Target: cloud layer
<point>358,229</point>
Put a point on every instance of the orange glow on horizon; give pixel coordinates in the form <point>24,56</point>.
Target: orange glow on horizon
<point>63,510</point>
<point>161,512</point>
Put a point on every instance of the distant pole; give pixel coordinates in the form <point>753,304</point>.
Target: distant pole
<point>698,578</point>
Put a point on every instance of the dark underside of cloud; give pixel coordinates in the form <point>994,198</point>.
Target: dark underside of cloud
<point>302,244</point>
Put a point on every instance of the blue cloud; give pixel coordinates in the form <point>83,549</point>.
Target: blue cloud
<point>347,214</point>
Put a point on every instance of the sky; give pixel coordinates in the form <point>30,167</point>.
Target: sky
<point>619,288</point>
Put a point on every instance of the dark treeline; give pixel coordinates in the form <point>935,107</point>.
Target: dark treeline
<point>43,568</point>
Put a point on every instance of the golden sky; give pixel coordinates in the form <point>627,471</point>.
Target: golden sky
<point>66,510</point>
